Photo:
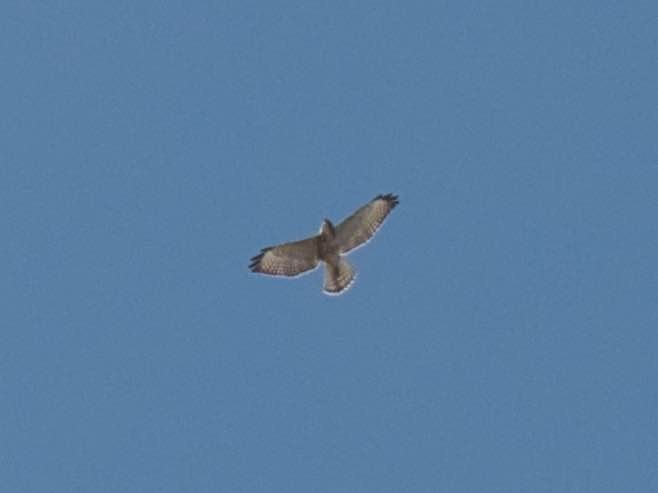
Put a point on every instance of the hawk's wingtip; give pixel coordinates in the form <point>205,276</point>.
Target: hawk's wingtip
<point>392,199</point>
<point>255,262</point>
<point>254,266</point>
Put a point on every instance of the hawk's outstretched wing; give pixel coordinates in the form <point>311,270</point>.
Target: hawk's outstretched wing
<point>288,259</point>
<point>364,223</point>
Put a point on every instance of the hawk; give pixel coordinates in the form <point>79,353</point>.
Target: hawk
<point>328,246</point>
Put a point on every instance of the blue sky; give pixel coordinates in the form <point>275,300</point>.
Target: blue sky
<point>501,335</point>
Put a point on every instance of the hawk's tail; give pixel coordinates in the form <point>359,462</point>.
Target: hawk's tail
<point>338,277</point>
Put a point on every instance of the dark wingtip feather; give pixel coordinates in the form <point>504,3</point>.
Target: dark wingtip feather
<point>390,198</point>
<point>254,266</point>
<point>255,260</point>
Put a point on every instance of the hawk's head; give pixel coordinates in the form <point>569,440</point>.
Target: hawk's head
<point>327,230</point>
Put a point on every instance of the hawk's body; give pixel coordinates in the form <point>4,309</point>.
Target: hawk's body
<point>298,257</point>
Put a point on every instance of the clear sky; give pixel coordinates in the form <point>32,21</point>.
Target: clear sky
<point>502,335</point>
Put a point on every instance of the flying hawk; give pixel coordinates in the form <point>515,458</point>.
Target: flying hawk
<point>297,257</point>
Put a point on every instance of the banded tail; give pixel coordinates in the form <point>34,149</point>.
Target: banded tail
<point>338,277</point>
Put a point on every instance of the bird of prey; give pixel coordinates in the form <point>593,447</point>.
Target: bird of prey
<point>328,246</point>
